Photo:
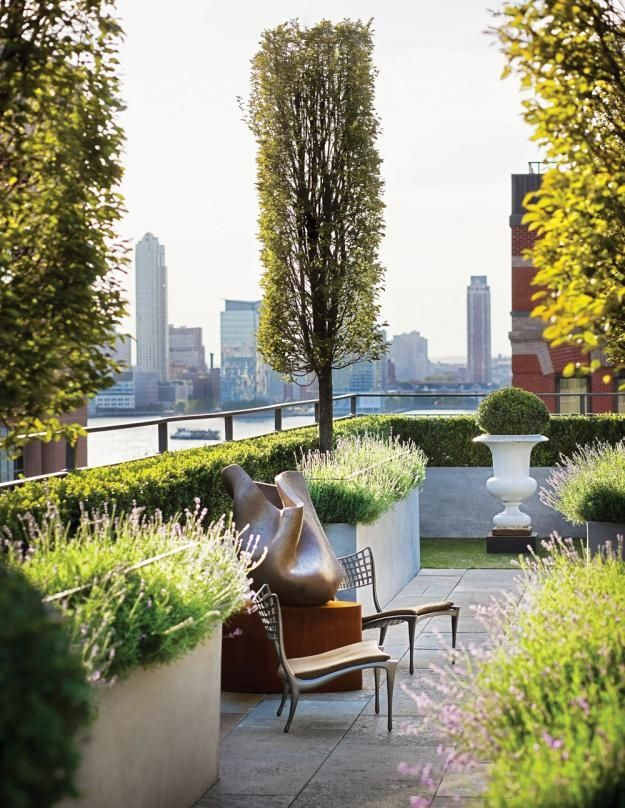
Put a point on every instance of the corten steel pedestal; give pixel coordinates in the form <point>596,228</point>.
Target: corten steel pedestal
<point>510,540</point>
<point>249,662</point>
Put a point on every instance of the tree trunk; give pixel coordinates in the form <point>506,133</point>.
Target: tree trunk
<point>326,409</point>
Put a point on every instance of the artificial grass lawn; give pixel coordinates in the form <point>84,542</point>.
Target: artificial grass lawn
<point>462,554</point>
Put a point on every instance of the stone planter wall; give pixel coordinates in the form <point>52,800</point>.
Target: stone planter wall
<point>598,533</point>
<point>456,504</point>
<point>155,742</point>
<point>394,540</point>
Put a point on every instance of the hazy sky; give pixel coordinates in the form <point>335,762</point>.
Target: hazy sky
<point>452,135</point>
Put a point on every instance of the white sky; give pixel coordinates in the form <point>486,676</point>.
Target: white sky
<point>452,135</point>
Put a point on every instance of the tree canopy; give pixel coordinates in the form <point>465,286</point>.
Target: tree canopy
<point>321,212</point>
<point>570,56</point>
<point>60,259</point>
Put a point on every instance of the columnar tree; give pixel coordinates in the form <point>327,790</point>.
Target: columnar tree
<point>60,143</point>
<point>318,169</point>
<point>570,56</point>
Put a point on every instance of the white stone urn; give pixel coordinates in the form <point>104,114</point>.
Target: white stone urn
<point>511,482</point>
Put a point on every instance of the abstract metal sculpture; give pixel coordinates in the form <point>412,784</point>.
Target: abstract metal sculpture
<point>300,565</point>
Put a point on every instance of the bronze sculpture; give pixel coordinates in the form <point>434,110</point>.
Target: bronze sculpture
<point>300,565</point>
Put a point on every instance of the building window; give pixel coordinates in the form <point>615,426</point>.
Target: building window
<point>619,389</point>
<point>571,404</point>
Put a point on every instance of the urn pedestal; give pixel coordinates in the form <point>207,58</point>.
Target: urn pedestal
<point>511,483</point>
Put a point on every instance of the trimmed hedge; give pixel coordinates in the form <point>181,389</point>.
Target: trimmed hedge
<point>171,481</point>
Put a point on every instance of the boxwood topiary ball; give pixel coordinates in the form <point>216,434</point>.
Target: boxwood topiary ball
<point>44,698</point>
<point>512,411</point>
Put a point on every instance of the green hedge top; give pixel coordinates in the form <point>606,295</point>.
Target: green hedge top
<point>172,480</point>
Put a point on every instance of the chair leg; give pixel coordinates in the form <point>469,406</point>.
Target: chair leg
<point>390,682</point>
<point>292,707</point>
<point>412,626</point>
<point>285,693</point>
<point>382,635</point>
<point>454,632</point>
<point>376,676</point>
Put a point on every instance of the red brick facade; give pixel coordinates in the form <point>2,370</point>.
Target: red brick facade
<point>536,366</point>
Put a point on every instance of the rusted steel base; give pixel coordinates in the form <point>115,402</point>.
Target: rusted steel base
<point>249,661</point>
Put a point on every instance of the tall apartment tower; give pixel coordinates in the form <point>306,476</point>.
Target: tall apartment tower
<point>478,330</point>
<point>151,284</point>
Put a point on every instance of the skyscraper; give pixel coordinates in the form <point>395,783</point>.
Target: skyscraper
<point>478,330</point>
<point>151,284</point>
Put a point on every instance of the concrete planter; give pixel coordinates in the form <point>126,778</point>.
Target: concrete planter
<point>598,533</point>
<point>394,539</point>
<point>155,742</point>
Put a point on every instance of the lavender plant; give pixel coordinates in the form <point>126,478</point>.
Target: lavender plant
<point>589,486</point>
<point>546,706</point>
<point>363,477</point>
<point>136,589</point>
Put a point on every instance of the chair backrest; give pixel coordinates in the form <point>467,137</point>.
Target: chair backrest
<point>359,570</point>
<point>267,605</point>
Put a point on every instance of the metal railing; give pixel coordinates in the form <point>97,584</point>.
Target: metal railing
<point>584,407</point>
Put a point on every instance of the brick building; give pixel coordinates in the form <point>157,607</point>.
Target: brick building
<point>536,366</point>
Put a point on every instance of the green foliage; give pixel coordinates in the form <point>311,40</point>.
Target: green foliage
<point>570,57</point>
<point>125,613</point>
<point>60,145</point>
<point>589,486</point>
<point>318,178</point>
<point>44,699</point>
<point>172,480</point>
<point>549,703</point>
<point>362,477</point>
<point>512,411</point>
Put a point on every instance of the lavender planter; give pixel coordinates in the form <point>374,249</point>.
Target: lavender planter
<point>155,742</point>
<point>394,539</point>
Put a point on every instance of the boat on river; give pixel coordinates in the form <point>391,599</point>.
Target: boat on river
<point>184,433</point>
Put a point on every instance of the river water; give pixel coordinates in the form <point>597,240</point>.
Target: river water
<point>131,444</point>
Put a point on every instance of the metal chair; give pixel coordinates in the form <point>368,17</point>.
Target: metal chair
<point>306,673</point>
<point>359,569</point>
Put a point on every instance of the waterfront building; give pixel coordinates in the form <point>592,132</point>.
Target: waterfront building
<point>245,376</point>
<point>409,354</point>
<point>478,331</point>
<point>186,351</point>
<point>151,287</point>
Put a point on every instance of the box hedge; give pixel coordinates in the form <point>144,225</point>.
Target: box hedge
<point>172,480</point>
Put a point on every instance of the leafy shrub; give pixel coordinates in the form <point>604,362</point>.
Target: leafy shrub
<point>136,590</point>
<point>589,486</point>
<point>512,411</point>
<point>363,477</point>
<point>547,706</point>
<point>44,699</point>
<point>172,480</point>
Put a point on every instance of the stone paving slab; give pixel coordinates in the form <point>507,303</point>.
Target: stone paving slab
<point>339,751</point>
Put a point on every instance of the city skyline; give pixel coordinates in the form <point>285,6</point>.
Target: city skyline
<point>447,157</point>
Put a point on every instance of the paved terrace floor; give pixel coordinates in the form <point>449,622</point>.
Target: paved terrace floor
<point>338,751</point>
